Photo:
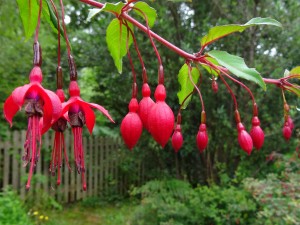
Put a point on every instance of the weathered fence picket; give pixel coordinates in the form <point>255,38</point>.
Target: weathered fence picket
<point>102,155</point>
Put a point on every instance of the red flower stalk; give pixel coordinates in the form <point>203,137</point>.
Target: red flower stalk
<point>59,147</point>
<point>161,117</point>
<point>202,137</point>
<point>257,133</point>
<point>244,139</point>
<point>287,131</point>
<point>131,126</point>
<point>79,114</point>
<point>40,105</point>
<point>145,105</point>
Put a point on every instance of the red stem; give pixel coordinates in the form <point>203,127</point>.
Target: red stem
<point>38,22</point>
<point>58,33</point>
<point>64,27</point>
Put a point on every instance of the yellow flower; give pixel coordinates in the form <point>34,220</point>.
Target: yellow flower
<point>46,217</point>
<point>35,213</point>
<point>41,217</point>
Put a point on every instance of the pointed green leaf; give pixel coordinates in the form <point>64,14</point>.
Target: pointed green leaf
<point>237,66</point>
<point>294,90</point>
<point>186,86</point>
<point>218,32</point>
<point>116,39</point>
<point>149,12</point>
<point>29,15</point>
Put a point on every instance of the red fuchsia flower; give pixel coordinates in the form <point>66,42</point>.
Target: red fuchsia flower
<point>39,104</point>
<point>79,114</point>
<point>257,133</point>
<point>145,105</point>
<point>287,131</point>
<point>202,137</point>
<point>59,147</point>
<point>177,138</point>
<point>161,117</point>
<point>244,139</point>
<point>131,126</point>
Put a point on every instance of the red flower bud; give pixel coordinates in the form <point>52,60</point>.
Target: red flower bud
<point>177,139</point>
<point>214,86</point>
<point>161,117</point>
<point>145,105</point>
<point>244,139</point>
<point>202,137</point>
<point>291,123</point>
<point>131,126</point>
<point>257,133</point>
<point>286,131</point>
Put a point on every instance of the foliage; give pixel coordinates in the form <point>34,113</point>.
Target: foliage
<point>12,209</point>
<point>278,194</point>
<point>176,202</point>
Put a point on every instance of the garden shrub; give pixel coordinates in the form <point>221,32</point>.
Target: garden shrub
<point>12,209</point>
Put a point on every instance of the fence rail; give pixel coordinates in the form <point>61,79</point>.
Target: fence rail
<point>103,172</point>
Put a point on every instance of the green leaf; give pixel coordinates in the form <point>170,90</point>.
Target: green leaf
<point>295,71</point>
<point>209,69</point>
<point>237,66</point>
<point>108,7</point>
<point>218,32</point>
<point>186,86</point>
<point>113,8</point>
<point>149,12</point>
<point>294,90</point>
<point>29,15</point>
<point>116,39</point>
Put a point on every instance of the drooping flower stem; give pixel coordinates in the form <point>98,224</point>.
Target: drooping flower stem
<point>145,78</point>
<point>38,22</point>
<point>58,33</point>
<point>64,27</point>
<point>160,66</point>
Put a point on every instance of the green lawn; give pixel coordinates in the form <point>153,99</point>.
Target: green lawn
<point>78,214</point>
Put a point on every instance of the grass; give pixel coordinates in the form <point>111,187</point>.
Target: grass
<point>103,213</point>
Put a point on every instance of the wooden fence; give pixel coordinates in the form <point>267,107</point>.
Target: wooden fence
<point>104,173</point>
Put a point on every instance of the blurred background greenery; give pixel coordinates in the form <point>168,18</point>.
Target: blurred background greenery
<point>233,177</point>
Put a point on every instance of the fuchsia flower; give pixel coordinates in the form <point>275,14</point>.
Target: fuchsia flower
<point>177,138</point>
<point>39,103</point>
<point>131,126</point>
<point>244,139</point>
<point>145,105</point>
<point>257,133</point>
<point>202,137</point>
<point>79,114</point>
<point>59,146</point>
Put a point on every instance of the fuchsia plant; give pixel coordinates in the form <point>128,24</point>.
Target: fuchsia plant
<point>46,109</point>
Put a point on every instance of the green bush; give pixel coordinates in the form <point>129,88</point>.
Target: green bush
<point>278,194</point>
<point>12,210</point>
<point>176,202</point>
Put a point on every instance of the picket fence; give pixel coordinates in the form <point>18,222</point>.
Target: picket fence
<point>104,175</point>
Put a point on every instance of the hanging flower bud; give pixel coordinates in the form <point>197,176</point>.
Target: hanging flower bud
<point>202,137</point>
<point>291,123</point>
<point>286,131</point>
<point>177,138</point>
<point>257,133</point>
<point>214,86</point>
<point>161,117</point>
<point>145,105</point>
<point>131,126</point>
<point>244,139</point>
